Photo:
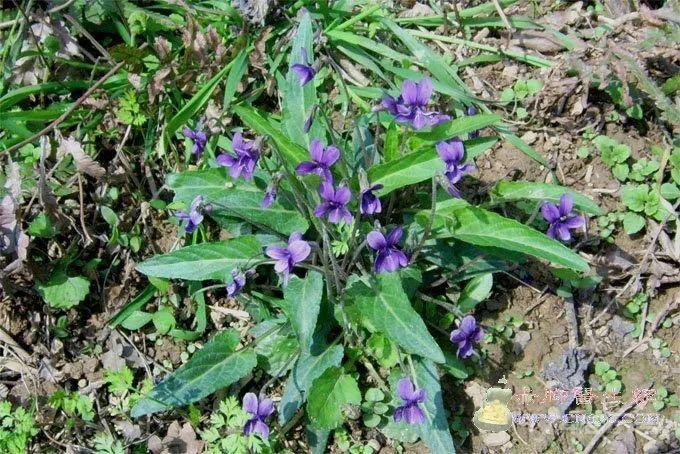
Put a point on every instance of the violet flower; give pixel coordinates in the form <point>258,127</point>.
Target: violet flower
<point>410,412</point>
<point>198,137</point>
<point>259,411</point>
<point>269,197</point>
<point>195,215</point>
<point>287,257</point>
<point>369,203</point>
<point>561,218</point>
<point>453,153</point>
<point>471,111</point>
<point>334,203</point>
<point>410,106</point>
<point>466,335</point>
<point>247,155</point>
<point>238,281</point>
<point>304,72</point>
<point>322,160</point>
<point>389,258</point>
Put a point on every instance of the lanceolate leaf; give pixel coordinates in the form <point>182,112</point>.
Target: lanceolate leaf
<point>454,218</point>
<point>297,101</point>
<point>329,395</point>
<point>435,430</point>
<point>203,261</point>
<point>386,308</point>
<point>419,166</point>
<point>293,152</point>
<point>216,366</point>
<point>238,199</point>
<point>459,126</point>
<point>476,291</point>
<point>307,368</point>
<point>524,190</point>
<point>304,297</point>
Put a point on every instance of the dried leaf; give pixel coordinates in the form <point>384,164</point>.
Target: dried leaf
<point>352,73</point>
<point>537,40</point>
<point>258,57</point>
<point>13,183</point>
<point>418,10</point>
<point>162,47</point>
<point>178,440</point>
<point>84,163</point>
<point>253,11</point>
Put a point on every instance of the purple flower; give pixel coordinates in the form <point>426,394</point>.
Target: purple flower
<point>389,258</point>
<point>561,218</point>
<point>334,204</point>
<point>287,257</point>
<point>470,112</point>
<point>238,281</point>
<point>247,154</point>
<point>322,160</point>
<point>269,197</point>
<point>259,410</point>
<point>308,122</point>
<point>369,202</point>
<point>195,215</point>
<point>409,107</point>
<point>453,153</point>
<point>304,72</point>
<point>198,137</point>
<point>466,335</point>
<point>410,412</point>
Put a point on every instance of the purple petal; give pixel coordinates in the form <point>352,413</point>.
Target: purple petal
<point>226,160</point>
<point>376,240</point>
<point>552,231</point>
<point>468,325</point>
<point>306,167</point>
<point>390,104</point>
<point>566,204</point>
<point>405,389</point>
<point>304,73</point>
<point>277,252</point>
<point>419,395</point>
<point>457,335</point>
<point>326,191</point>
<point>575,222</point>
<point>250,403</point>
<point>563,231</point>
<point>409,92</point>
<point>335,215</point>
<point>394,236</point>
<point>330,156</point>
<point>465,351</point>
<point>342,195</point>
<point>425,89</point>
<point>419,120</point>
<point>195,217</point>
<point>550,212</point>
<point>321,209</point>
<point>413,415</point>
<point>295,236</point>
<point>282,266</point>
<point>316,150</point>
<point>299,250</point>
<point>265,408</point>
<point>398,414</point>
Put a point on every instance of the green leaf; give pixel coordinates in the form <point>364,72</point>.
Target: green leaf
<point>136,320</point>
<point>669,191</point>
<point>304,297</point>
<point>383,350</point>
<point>133,306</point>
<point>621,171</point>
<point>391,148</point>
<point>459,126</point>
<point>195,104</point>
<point>164,320</point>
<point>510,191</point>
<point>386,308</point>
<point>42,227</point>
<point>204,261</point>
<point>419,166</point>
<point>297,101</point>
<point>601,367</point>
<point>293,153</point>
<point>62,291</point>
<point>633,223</point>
<point>307,368</point>
<point>634,196</point>
<point>240,199</point>
<point>329,395</point>
<point>435,430</point>
<point>216,366</point>
<point>240,64</point>
<point>109,216</point>
<point>454,218</point>
<point>476,291</point>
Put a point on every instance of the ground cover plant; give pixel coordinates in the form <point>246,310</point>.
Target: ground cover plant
<point>339,226</point>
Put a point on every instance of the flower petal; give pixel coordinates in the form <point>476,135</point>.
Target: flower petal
<point>316,150</point>
<point>330,156</point>
<point>566,204</point>
<point>299,250</point>
<point>394,236</point>
<point>405,389</point>
<point>550,212</point>
<point>376,240</point>
<point>265,408</point>
<point>277,252</point>
<point>424,91</point>
<point>250,403</point>
<point>409,92</point>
